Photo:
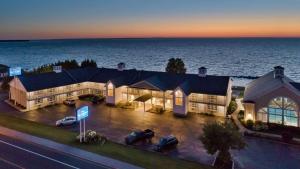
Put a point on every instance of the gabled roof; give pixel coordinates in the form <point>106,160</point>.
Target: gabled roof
<point>266,84</point>
<point>163,81</point>
<point>295,85</point>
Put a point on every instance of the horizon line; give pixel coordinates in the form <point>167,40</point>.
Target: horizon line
<point>159,37</point>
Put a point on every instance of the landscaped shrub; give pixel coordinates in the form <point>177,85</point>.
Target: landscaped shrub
<point>249,124</point>
<point>241,114</point>
<point>159,109</point>
<point>232,107</point>
<point>287,136</point>
<point>125,105</point>
<point>260,126</point>
<point>92,137</point>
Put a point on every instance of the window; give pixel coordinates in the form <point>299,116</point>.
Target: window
<point>51,90</point>
<point>280,110</point>
<point>212,99</point>
<point>262,114</point>
<point>178,98</point>
<point>211,108</point>
<point>69,87</point>
<point>38,101</point>
<point>69,94</point>
<point>39,92</point>
<point>51,99</point>
<point>110,89</point>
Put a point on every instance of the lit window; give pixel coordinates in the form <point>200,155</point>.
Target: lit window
<point>178,98</point>
<point>110,89</point>
<point>69,95</point>
<point>38,101</point>
<point>211,108</point>
<point>212,99</point>
<point>51,99</point>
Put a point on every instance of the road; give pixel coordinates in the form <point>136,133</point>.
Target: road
<point>17,154</point>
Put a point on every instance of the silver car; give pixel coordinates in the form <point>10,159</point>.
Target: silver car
<point>70,120</point>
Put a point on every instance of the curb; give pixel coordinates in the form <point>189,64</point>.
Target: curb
<point>105,161</point>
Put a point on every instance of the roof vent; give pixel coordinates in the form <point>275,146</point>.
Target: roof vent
<point>202,71</point>
<point>121,66</point>
<point>278,72</point>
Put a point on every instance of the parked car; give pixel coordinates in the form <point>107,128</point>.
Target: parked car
<point>139,135</point>
<point>69,102</point>
<point>97,99</point>
<point>165,142</point>
<point>70,120</point>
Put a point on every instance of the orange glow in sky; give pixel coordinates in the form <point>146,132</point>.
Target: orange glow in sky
<point>142,18</point>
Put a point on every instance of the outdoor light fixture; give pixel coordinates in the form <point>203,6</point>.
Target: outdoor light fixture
<point>249,117</point>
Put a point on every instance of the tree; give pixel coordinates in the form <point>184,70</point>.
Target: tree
<point>5,83</point>
<point>67,64</point>
<point>175,65</point>
<point>232,107</point>
<point>88,63</point>
<point>218,137</point>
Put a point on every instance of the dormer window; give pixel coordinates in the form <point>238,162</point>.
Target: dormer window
<point>178,98</point>
<point>110,89</point>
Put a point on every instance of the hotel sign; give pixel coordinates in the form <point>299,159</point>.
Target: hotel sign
<point>82,113</point>
<point>15,71</point>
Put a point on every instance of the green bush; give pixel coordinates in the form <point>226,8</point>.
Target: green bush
<point>260,126</point>
<point>232,107</point>
<point>241,114</point>
<point>92,137</point>
<point>249,124</point>
<point>159,109</point>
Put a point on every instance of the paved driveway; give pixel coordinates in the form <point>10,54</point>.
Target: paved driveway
<point>117,123</point>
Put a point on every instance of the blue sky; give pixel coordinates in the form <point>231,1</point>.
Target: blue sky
<point>35,19</point>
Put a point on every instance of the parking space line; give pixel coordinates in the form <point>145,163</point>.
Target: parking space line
<point>37,154</point>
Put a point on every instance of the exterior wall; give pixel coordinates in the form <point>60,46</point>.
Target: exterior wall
<point>251,109</point>
<point>110,99</point>
<point>17,93</point>
<point>118,93</point>
<point>212,104</point>
<point>37,99</point>
<point>183,109</point>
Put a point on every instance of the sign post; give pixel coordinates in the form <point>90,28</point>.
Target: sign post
<point>81,114</point>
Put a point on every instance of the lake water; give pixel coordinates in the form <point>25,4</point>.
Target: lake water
<point>235,57</point>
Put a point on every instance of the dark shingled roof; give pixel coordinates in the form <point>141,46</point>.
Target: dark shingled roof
<point>295,85</point>
<point>189,83</point>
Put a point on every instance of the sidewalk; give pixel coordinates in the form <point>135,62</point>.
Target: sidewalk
<point>106,161</point>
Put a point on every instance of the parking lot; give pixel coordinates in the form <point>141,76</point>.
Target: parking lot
<point>116,123</point>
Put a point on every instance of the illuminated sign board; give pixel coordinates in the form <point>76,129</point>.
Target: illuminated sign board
<point>57,69</point>
<point>15,71</point>
<point>82,113</point>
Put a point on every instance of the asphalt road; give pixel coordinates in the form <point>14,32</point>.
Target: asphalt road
<point>17,154</point>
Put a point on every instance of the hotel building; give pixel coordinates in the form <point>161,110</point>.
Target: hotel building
<point>180,93</point>
<point>273,98</point>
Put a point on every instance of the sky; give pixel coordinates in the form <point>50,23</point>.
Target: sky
<point>57,19</point>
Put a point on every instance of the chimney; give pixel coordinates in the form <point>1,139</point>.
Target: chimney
<point>202,71</point>
<point>121,66</point>
<point>278,72</point>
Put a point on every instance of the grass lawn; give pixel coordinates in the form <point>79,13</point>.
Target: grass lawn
<point>117,151</point>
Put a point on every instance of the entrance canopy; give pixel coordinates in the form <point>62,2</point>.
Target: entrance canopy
<point>143,98</point>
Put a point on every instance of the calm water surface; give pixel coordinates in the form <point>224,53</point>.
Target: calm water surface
<point>236,57</point>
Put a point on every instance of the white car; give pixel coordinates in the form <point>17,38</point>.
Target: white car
<point>70,120</point>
